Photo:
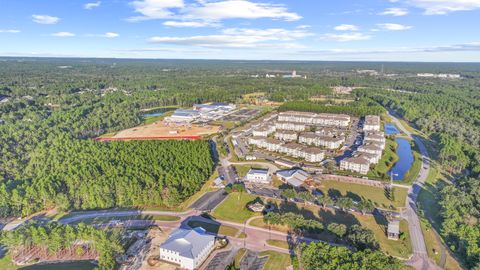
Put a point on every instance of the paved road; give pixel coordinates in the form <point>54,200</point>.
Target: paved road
<point>209,200</point>
<point>420,258</point>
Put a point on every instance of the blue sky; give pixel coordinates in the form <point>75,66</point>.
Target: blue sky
<point>390,30</point>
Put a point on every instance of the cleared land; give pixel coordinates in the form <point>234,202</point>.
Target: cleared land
<point>357,192</point>
<point>161,129</point>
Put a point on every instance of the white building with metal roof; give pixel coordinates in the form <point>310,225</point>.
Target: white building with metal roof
<point>187,248</point>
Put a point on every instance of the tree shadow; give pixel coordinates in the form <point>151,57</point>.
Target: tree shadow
<point>381,221</point>
<point>328,216</point>
<point>334,193</point>
<point>79,265</point>
<point>354,196</point>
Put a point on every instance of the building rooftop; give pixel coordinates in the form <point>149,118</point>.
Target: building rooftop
<point>188,243</point>
<point>258,171</point>
<point>394,227</point>
<point>357,160</point>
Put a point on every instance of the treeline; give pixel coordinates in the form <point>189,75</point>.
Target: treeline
<point>54,238</point>
<point>450,117</point>
<point>320,256</point>
<point>85,174</point>
<point>460,210</point>
<point>357,108</point>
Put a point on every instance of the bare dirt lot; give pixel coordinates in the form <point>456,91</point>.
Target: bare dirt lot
<point>165,130</point>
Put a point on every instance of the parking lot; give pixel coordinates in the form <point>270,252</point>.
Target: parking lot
<point>241,115</point>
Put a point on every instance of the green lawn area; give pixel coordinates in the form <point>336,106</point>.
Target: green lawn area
<point>242,170</point>
<point>400,248</point>
<point>387,161</point>
<point>213,228</point>
<point>276,260</point>
<point>238,257</point>
<point>278,243</point>
<point>375,194</point>
<point>233,208</point>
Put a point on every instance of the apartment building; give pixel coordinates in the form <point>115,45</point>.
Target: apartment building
<point>313,154</point>
<point>374,136</point>
<point>322,119</point>
<point>311,138</point>
<point>371,148</point>
<point>263,130</point>
<point>356,164</point>
<point>372,122</point>
<point>286,135</point>
<point>290,126</point>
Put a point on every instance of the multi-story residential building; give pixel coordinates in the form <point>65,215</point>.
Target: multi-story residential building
<point>374,136</point>
<point>322,119</point>
<point>263,130</point>
<point>313,154</point>
<point>187,248</point>
<point>290,126</point>
<point>272,144</point>
<point>371,149</point>
<point>329,131</point>
<point>372,122</point>
<point>311,138</point>
<point>257,141</point>
<point>356,164</point>
<point>286,135</point>
<point>372,158</point>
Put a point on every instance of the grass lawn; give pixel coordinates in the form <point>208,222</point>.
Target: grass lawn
<point>278,243</point>
<point>238,257</point>
<point>375,194</point>
<point>387,161</point>
<point>233,208</point>
<point>218,229</point>
<point>276,260</point>
<point>400,248</point>
<point>242,170</point>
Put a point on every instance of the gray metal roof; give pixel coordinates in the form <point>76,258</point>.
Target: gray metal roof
<point>188,243</point>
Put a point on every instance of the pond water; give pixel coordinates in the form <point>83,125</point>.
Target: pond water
<point>391,129</point>
<point>405,154</point>
<point>157,112</point>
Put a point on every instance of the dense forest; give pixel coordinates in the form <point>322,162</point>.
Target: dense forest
<point>55,238</point>
<point>321,256</point>
<point>357,108</point>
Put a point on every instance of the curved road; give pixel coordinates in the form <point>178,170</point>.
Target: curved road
<point>420,259</point>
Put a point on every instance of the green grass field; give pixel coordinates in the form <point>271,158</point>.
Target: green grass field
<point>233,208</point>
<point>278,243</point>
<point>376,195</point>
<point>387,161</point>
<point>276,260</point>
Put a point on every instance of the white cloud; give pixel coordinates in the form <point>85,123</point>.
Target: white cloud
<point>345,37</point>
<point>155,9</point>
<point>346,27</point>
<point>209,11</point>
<point>92,5</point>
<point>45,19</point>
<point>393,26</point>
<point>12,31</point>
<point>395,12</point>
<point>63,34</point>
<point>110,35</point>
<point>440,7</point>
<point>241,38</point>
<point>190,24</point>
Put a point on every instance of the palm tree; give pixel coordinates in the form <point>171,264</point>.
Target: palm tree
<point>345,203</point>
<point>324,200</point>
